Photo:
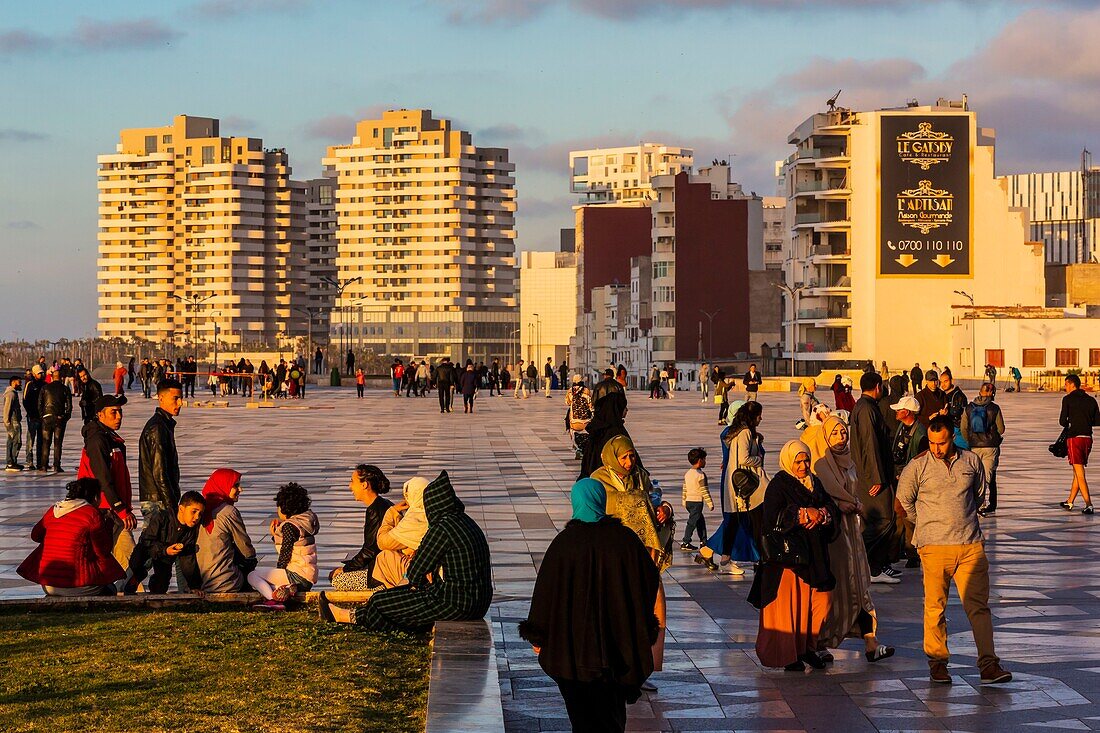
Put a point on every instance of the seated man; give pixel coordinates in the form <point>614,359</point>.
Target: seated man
<point>165,540</point>
<point>73,557</point>
<point>450,576</point>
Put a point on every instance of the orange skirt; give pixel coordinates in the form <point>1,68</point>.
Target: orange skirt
<point>789,625</point>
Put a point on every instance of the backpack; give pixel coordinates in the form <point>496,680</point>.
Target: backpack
<point>979,419</point>
<point>580,411</point>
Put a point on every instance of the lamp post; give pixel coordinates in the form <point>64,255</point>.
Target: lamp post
<point>514,338</point>
<point>311,311</point>
<point>973,336</point>
<point>710,344</point>
<point>793,292</point>
<point>340,286</point>
<point>538,341</point>
<point>194,301</point>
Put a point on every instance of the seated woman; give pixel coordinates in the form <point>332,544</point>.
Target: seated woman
<point>367,485</point>
<point>792,588</point>
<point>226,555</point>
<point>399,537</point>
<point>851,612</point>
<point>599,654</point>
<point>73,557</point>
<point>450,578</point>
<point>294,531</point>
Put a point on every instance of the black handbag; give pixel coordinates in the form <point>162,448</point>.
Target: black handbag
<point>785,548</point>
<point>745,483</point>
<point>1060,447</point>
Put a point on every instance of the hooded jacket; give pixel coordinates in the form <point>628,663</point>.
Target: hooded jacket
<point>994,422</point>
<point>104,459</point>
<point>294,539</point>
<point>74,548</point>
<point>93,390</point>
<point>30,398</point>
<point>158,462</point>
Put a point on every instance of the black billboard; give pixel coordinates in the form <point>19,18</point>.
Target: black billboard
<point>924,195</point>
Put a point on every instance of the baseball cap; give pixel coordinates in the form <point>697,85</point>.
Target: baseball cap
<point>109,400</point>
<point>908,402</point>
<point>37,369</point>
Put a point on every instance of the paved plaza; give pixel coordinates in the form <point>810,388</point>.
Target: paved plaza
<point>511,464</point>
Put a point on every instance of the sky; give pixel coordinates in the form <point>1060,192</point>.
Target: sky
<point>729,78</point>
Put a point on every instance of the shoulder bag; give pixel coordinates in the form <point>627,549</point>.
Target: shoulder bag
<point>785,548</point>
<point>1060,448</point>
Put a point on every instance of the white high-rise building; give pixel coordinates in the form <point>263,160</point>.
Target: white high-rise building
<point>320,195</point>
<point>1065,212</point>
<point>425,240</point>
<point>622,175</point>
<point>200,236</point>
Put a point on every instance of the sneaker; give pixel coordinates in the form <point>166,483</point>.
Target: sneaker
<point>731,568</point>
<point>1087,509</point>
<point>938,674</point>
<point>1066,505</point>
<point>994,675</point>
<point>284,593</point>
<point>688,547</point>
<point>12,468</point>
<point>271,605</point>
<point>886,578</point>
<point>889,570</point>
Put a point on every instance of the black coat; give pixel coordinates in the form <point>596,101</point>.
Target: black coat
<point>372,520</point>
<point>31,394</point>
<point>782,500</point>
<point>606,423</point>
<point>446,374</point>
<point>91,394</point>
<point>158,462</point>
<point>55,399</point>
<point>592,606</point>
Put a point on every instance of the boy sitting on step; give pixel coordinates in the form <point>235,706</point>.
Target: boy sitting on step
<point>167,538</point>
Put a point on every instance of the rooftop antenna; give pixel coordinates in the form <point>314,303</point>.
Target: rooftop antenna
<point>832,101</point>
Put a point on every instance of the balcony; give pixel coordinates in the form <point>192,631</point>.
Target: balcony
<point>829,253</point>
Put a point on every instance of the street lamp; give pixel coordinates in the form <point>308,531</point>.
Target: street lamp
<point>538,340</point>
<point>340,285</point>
<point>194,301</point>
<point>793,292</point>
<point>311,311</point>
<point>514,338</point>
<point>710,344</point>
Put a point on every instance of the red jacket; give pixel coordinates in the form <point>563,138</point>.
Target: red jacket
<point>74,549</point>
<point>107,464</point>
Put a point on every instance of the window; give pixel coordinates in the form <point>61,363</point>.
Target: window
<point>996,357</point>
<point>150,144</point>
<point>207,154</point>
<point>1066,358</point>
<point>660,269</point>
<point>1035,358</point>
<point>1094,357</point>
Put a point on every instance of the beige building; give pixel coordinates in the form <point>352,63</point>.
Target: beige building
<point>320,195</point>
<point>547,305</point>
<point>187,216</point>
<point>425,240</point>
<point>896,217</point>
<point>776,232</point>
<point>622,175</point>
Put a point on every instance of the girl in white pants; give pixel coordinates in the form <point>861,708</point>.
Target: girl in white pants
<point>293,533</point>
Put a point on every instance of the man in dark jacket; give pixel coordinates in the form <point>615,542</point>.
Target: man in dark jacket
<point>752,382</point>
<point>158,461</point>
<point>931,399</point>
<point>1079,415</point>
<point>104,459</point>
<point>606,386</point>
<point>983,428</point>
<point>875,477</point>
<point>445,379</point>
<point>145,374</point>
<point>34,419</point>
<point>55,407</point>
<point>916,378</point>
<point>349,362</point>
<point>954,399</point>
<point>90,393</point>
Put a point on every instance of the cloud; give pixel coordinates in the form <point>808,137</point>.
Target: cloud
<point>535,207</point>
<point>13,134</point>
<point>340,128</point>
<point>18,41</point>
<point>237,124</point>
<point>504,133</point>
<point>98,35</point>
<point>22,224</point>
<point>232,8</point>
<point>822,74</point>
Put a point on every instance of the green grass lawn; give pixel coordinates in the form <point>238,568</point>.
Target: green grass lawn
<point>206,671</point>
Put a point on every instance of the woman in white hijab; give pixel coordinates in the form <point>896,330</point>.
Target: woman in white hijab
<point>852,612</point>
<point>399,536</point>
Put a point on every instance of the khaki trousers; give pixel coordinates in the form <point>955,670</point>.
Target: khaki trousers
<point>968,567</point>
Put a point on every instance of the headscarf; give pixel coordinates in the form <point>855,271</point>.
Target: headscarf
<point>216,493</point>
<point>618,446</point>
<point>589,500</point>
<point>608,411</point>
<point>786,461</point>
<point>836,470</point>
<point>844,456</point>
<point>809,384</point>
<point>412,527</point>
<point>732,412</point>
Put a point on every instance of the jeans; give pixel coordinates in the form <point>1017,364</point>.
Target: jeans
<point>396,385</point>
<point>695,522</point>
<point>15,442</point>
<point>445,396</point>
<point>359,390</point>
<point>34,437</point>
<point>146,387</point>
<point>990,457</point>
<point>53,432</point>
<point>968,567</point>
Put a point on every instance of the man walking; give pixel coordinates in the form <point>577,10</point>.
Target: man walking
<point>145,374</point>
<point>532,378</point>
<point>942,489</point>
<point>55,406</point>
<point>548,375</point>
<point>90,392</point>
<point>13,424</point>
<point>34,418</point>
<point>704,382</point>
<point>752,383</point>
<point>445,379</point>
<point>1079,414</point>
<point>916,378</point>
<point>349,362</point>
<point>158,460</point>
<point>318,360</point>
<point>954,400</point>
<point>875,476</point>
<point>983,428</point>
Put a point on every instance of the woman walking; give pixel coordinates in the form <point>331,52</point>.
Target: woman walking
<point>807,398</point>
<point>793,587</point>
<point>735,540</point>
<point>852,612</point>
<point>609,414</point>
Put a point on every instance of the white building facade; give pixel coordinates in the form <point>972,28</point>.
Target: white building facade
<point>622,175</point>
<point>1064,208</point>
<point>547,305</point>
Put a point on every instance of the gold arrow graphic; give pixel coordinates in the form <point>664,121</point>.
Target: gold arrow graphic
<point>943,260</point>
<point>906,260</point>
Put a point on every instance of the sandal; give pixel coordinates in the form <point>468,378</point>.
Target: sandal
<point>323,610</point>
<point>795,667</point>
<point>881,653</point>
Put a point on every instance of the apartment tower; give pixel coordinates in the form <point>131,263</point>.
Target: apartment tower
<point>425,240</point>
<point>200,236</point>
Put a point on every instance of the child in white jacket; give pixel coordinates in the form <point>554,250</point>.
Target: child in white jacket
<point>293,533</point>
